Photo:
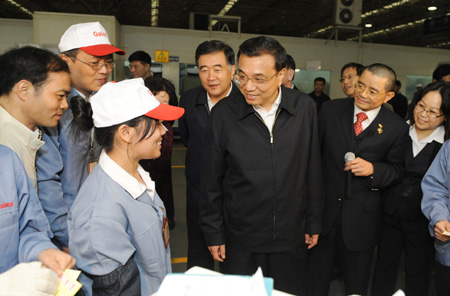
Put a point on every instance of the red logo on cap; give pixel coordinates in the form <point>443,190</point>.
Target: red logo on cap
<point>99,34</point>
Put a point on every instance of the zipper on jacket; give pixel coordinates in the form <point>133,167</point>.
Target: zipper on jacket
<point>273,165</point>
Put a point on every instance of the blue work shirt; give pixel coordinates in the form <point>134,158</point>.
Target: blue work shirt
<point>115,216</point>
<point>62,166</point>
<point>435,201</point>
<point>24,229</point>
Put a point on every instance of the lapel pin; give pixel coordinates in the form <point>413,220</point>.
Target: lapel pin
<point>380,129</point>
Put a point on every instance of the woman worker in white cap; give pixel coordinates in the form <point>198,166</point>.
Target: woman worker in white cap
<point>118,225</point>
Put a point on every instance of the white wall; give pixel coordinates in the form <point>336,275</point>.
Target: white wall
<point>48,28</point>
<point>14,33</point>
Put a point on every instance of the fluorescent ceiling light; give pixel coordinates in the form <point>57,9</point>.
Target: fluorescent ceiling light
<point>20,7</point>
<point>392,29</point>
<point>432,8</point>
<point>225,9</point>
<point>155,12</point>
<point>368,25</point>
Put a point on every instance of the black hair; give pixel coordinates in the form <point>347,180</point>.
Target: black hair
<point>441,71</point>
<point>213,46</point>
<point>143,125</point>
<point>320,79</point>
<point>82,116</point>
<point>264,45</point>
<point>157,84</point>
<point>398,83</point>
<point>359,68</point>
<point>290,63</point>
<point>140,56</point>
<point>444,90</point>
<point>71,53</point>
<point>29,63</point>
<point>382,70</point>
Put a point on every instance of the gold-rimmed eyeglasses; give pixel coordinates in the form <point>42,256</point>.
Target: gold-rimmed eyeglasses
<point>243,79</point>
<point>371,94</point>
<point>97,66</point>
<point>420,107</point>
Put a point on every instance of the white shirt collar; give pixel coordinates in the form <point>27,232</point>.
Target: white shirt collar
<point>371,115</point>
<point>274,107</point>
<point>211,104</point>
<point>437,135</point>
<point>124,179</point>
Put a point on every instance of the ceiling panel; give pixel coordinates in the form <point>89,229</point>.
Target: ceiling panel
<point>305,18</point>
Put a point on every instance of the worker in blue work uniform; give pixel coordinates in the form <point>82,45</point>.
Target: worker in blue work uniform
<point>25,235</point>
<point>118,227</point>
<point>64,161</point>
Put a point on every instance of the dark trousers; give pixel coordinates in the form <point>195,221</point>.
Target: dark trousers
<point>355,266</point>
<point>288,269</point>
<point>198,252</point>
<point>400,233</point>
<point>442,277</point>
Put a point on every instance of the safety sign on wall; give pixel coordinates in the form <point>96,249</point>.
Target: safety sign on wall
<point>162,56</point>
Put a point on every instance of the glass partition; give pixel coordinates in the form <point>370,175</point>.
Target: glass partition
<point>304,80</point>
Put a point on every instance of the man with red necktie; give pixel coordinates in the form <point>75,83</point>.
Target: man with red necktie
<point>350,223</point>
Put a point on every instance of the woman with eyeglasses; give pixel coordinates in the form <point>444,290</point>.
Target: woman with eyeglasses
<point>404,227</point>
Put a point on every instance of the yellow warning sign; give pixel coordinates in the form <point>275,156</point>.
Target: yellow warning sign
<point>162,56</point>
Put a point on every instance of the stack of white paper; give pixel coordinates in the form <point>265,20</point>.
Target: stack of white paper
<point>216,284</point>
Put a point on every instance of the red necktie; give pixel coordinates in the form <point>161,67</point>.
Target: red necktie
<point>360,117</point>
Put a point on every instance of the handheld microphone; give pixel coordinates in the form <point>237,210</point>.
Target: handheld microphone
<point>348,178</point>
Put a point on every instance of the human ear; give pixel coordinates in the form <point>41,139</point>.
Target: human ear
<point>389,96</point>
<point>280,76</point>
<point>22,89</point>
<point>291,74</point>
<point>64,57</point>
<point>233,70</point>
<point>125,133</point>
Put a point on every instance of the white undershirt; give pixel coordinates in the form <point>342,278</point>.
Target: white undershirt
<point>269,116</point>
<point>211,104</point>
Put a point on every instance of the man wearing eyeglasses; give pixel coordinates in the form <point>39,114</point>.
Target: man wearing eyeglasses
<point>261,195</point>
<point>350,73</point>
<point>353,189</point>
<point>215,61</point>
<point>64,161</point>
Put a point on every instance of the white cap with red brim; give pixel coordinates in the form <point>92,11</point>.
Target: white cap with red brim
<point>89,37</point>
<point>118,102</point>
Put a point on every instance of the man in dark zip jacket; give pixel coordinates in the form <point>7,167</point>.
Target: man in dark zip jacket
<point>215,61</point>
<point>261,180</point>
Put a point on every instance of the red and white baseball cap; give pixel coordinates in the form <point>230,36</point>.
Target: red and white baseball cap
<point>118,102</point>
<point>89,37</point>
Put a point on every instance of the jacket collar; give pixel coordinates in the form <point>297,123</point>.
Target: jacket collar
<point>202,98</point>
<point>287,103</point>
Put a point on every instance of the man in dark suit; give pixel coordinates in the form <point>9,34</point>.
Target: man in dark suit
<point>352,212</point>
<point>215,61</point>
<point>261,181</point>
